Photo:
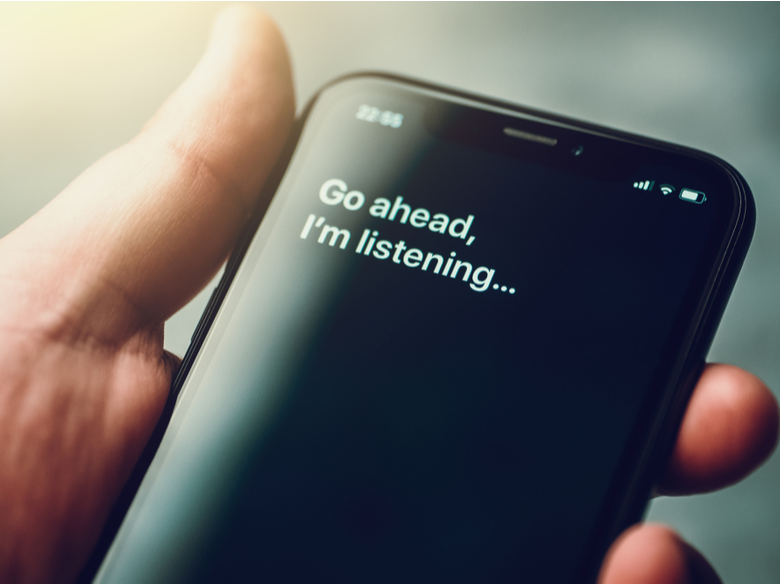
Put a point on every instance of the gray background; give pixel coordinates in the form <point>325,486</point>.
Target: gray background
<point>79,80</point>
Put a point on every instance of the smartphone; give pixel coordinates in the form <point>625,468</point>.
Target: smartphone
<point>454,344</point>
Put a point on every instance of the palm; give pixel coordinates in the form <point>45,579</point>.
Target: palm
<point>75,413</point>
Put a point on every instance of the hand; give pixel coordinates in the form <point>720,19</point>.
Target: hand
<point>730,428</point>
<point>87,284</point>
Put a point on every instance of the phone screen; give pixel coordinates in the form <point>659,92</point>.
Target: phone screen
<point>442,351</point>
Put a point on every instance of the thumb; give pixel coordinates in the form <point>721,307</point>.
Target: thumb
<point>85,284</point>
<point>141,231</point>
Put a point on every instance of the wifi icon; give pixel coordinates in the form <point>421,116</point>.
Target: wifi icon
<point>666,189</point>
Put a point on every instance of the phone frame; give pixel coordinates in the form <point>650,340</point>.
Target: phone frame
<point>652,442</point>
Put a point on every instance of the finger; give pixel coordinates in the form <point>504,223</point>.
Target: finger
<point>654,554</point>
<point>175,362</point>
<point>729,429</point>
<point>135,236</point>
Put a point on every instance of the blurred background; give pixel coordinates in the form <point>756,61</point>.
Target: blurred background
<point>77,80</point>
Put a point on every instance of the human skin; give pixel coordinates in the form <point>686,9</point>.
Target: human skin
<point>87,283</point>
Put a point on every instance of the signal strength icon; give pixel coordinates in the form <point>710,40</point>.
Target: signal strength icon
<point>645,185</point>
<point>666,189</point>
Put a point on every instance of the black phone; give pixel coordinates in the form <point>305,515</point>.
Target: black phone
<point>454,344</point>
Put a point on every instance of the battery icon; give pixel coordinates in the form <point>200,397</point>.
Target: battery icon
<point>692,196</point>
